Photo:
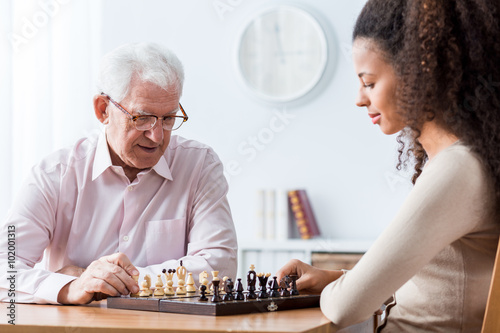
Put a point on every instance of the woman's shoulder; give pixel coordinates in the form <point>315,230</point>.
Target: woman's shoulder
<point>458,155</point>
<point>457,163</point>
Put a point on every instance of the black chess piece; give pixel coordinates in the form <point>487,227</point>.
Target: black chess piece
<point>284,286</point>
<point>274,287</point>
<point>262,286</point>
<point>203,291</point>
<point>216,297</point>
<point>251,281</point>
<point>293,289</point>
<point>229,291</point>
<point>239,291</point>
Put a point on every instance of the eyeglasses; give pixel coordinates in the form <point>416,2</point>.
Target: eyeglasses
<point>147,122</point>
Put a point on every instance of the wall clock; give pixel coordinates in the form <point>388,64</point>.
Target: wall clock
<point>282,54</point>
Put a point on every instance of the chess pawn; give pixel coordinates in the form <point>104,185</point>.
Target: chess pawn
<point>181,275</point>
<point>146,287</point>
<point>203,291</point>
<point>191,288</point>
<point>159,287</point>
<point>136,279</point>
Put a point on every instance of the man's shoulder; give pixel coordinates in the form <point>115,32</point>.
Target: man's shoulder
<point>80,151</point>
<point>181,142</point>
<point>180,147</point>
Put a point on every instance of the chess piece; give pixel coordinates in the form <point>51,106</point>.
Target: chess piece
<point>215,277</point>
<point>216,297</point>
<point>222,286</point>
<point>181,275</point>
<point>146,287</point>
<point>274,287</point>
<point>293,289</point>
<point>136,279</point>
<point>159,287</point>
<point>262,284</point>
<point>239,291</point>
<point>251,280</point>
<point>191,287</point>
<point>228,289</point>
<point>203,278</point>
<point>203,291</point>
<point>169,284</point>
<point>285,281</point>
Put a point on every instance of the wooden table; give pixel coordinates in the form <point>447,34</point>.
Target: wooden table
<point>97,318</point>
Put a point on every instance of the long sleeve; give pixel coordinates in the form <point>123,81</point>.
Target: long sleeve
<point>449,201</point>
<point>32,219</point>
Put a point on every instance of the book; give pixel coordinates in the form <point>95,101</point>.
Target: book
<point>270,214</point>
<point>303,214</point>
<point>260,215</point>
<point>282,216</point>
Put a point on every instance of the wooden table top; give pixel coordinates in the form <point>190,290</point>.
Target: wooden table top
<point>96,317</point>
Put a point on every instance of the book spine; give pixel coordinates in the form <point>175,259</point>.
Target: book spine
<point>303,214</point>
<point>282,217</point>
<point>260,214</point>
<point>309,213</point>
<point>270,212</point>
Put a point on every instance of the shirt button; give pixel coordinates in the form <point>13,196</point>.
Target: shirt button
<point>125,238</point>
<point>130,188</point>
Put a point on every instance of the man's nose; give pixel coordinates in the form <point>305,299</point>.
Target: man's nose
<point>155,134</point>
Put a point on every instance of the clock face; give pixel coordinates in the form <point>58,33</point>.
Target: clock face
<point>282,54</point>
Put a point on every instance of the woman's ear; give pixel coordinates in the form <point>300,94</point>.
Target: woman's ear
<point>100,106</point>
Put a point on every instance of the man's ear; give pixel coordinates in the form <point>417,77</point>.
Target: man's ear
<point>100,105</point>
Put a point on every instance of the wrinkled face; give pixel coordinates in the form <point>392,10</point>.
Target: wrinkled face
<point>377,86</point>
<point>137,150</point>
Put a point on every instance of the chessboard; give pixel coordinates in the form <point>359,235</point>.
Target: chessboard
<point>224,297</point>
<point>192,304</point>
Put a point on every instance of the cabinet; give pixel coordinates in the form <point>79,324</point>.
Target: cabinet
<point>270,256</point>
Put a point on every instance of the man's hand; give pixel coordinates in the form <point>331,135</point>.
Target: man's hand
<point>311,279</point>
<point>109,276</point>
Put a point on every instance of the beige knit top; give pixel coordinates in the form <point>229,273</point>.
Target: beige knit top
<point>437,254</point>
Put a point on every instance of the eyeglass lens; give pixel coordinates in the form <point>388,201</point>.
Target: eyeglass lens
<point>144,123</point>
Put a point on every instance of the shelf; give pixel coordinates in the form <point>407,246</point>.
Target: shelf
<point>270,255</point>
<point>312,245</point>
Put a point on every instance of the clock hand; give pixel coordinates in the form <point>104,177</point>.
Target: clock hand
<point>278,43</point>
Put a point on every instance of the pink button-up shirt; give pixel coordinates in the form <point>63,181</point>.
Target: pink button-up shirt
<point>77,207</point>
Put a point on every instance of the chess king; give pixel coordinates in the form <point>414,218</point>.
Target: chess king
<point>132,198</point>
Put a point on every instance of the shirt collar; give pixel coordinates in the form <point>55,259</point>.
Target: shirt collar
<point>102,160</point>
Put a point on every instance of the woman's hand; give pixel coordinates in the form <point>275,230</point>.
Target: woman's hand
<point>311,279</point>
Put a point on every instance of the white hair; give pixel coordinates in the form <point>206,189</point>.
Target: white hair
<point>149,61</point>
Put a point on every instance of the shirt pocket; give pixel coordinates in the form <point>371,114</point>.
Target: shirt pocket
<point>165,240</point>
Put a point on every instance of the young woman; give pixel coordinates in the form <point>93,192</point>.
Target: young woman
<point>428,69</point>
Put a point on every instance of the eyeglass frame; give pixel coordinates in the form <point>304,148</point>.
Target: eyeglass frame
<point>134,118</point>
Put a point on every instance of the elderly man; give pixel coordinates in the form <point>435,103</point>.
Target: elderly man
<point>134,199</point>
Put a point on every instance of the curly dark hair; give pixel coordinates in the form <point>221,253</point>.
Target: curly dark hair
<point>446,54</point>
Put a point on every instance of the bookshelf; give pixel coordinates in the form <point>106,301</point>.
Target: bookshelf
<point>270,255</point>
